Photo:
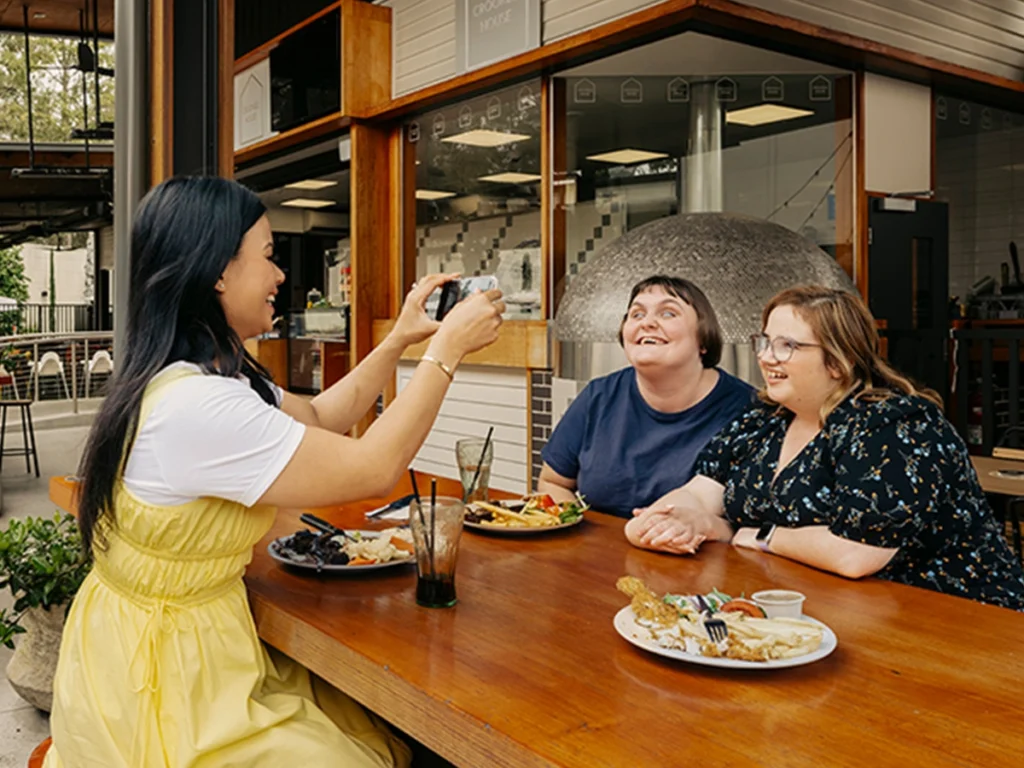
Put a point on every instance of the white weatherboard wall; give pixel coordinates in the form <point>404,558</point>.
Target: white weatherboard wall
<point>897,135</point>
<point>479,398</point>
<point>981,34</point>
<point>422,43</point>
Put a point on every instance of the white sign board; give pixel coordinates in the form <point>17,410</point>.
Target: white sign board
<point>488,31</point>
<point>252,105</point>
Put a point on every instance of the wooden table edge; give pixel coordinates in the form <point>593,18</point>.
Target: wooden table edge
<point>451,732</point>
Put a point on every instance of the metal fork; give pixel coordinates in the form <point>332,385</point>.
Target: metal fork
<point>716,629</point>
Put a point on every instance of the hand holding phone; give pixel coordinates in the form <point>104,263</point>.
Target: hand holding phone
<point>451,293</point>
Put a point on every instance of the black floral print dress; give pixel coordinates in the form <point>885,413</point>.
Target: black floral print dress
<point>889,474</point>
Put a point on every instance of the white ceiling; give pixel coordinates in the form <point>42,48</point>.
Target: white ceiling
<point>692,53</point>
<point>339,193</point>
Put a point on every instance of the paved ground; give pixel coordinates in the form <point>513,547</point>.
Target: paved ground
<point>22,726</point>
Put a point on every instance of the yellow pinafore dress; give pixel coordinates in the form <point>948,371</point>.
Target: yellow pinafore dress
<point>160,663</point>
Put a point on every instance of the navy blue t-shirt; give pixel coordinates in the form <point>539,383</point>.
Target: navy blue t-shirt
<point>625,454</point>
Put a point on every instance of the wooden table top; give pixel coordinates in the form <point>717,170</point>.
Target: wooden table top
<point>527,670</point>
<point>986,466</point>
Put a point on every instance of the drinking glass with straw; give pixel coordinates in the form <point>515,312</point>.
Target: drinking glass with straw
<point>474,458</point>
<point>436,530</point>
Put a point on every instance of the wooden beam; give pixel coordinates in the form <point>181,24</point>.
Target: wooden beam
<point>226,88</point>
<point>161,90</point>
<point>370,239</point>
<point>860,271</point>
<point>520,344</point>
<point>301,134</point>
<point>402,253</point>
<point>845,166</point>
<point>98,158</point>
<point>556,263</point>
<point>365,56</point>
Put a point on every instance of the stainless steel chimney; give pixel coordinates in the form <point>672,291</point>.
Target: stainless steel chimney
<point>738,261</point>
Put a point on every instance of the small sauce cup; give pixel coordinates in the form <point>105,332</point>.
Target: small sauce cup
<point>780,603</point>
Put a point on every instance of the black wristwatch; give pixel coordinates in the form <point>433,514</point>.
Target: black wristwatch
<point>764,536</point>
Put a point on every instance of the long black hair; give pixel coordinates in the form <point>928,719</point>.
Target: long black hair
<point>185,233</point>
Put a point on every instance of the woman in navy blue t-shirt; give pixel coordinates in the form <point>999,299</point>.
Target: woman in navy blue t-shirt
<point>632,436</point>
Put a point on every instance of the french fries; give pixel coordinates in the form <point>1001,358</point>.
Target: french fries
<point>749,638</point>
<point>528,518</point>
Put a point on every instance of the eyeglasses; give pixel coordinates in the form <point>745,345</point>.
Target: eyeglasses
<point>782,348</point>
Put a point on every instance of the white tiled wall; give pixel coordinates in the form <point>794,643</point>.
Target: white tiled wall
<point>981,176</point>
<point>479,398</point>
<point>471,247</point>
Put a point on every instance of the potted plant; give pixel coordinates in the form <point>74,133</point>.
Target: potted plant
<point>42,563</point>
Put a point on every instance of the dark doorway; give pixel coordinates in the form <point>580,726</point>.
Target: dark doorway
<point>908,285</point>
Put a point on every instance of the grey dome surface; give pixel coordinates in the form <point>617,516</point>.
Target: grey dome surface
<point>739,262</point>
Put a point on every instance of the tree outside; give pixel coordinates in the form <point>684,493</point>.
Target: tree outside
<point>13,285</point>
<point>56,88</point>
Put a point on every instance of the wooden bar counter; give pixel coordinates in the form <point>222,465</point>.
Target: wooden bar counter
<point>527,670</point>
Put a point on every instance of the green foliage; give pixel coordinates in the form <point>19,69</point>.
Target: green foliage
<point>42,563</point>
<point>56,88</point>
<point>11,358</point>
<point>13,285</point>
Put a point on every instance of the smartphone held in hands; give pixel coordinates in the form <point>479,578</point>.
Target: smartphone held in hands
<point>441,301</point>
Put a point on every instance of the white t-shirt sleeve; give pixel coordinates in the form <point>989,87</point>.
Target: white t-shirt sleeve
<point>211,436</point>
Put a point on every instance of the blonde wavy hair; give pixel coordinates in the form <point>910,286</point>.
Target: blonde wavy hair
<point>847,332</point>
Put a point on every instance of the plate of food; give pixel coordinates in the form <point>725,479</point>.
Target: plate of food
<point>356,551</point>
<point>534,514</point>
<point>682,627</point>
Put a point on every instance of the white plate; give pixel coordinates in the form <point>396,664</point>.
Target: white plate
<point>523,531</point>
<point>625,625</point>
<point>272,550</point>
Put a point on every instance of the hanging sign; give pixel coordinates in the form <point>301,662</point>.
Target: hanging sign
<point>584,91</point>
<point>252,105</point>
<point>414,132</point>
<point>631,91</point>
<point>772,89</point>
<point>941,108</point>
<point>678,91</point>
<point>487,31</point>
<point>494,108</point>
<point>437,130</point>
<point>726,90</point>
<point>820,89</point>
<point>526,99</point>
<point>965,113</point>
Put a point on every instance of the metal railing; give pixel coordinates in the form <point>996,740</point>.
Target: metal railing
<point>46,366</point>
<point>48,318</point>
<point>986,400</point>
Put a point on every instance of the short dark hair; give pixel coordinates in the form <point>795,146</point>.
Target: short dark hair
<point>709,332</point>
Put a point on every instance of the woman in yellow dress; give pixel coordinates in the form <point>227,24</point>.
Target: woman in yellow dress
<point>191,453</point>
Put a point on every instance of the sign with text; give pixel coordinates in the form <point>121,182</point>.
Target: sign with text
<point>488,31</point>
<point>252,105</point>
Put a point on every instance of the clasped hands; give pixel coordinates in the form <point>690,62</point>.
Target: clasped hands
<point>677,530</point>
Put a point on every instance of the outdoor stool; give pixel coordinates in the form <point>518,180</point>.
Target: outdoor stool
<point>27,432</point>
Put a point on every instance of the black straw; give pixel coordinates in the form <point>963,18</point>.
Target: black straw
<point>433,521</point>
<point>479,465</point>
<point>419,509</point>
<point>415,489</point>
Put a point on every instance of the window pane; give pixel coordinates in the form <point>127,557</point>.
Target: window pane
<point>478,192</point>
<point>672,130</point>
